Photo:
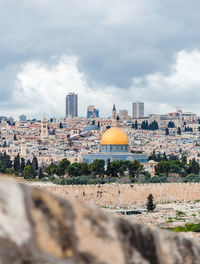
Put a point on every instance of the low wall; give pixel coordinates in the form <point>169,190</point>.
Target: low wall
<point>126,194</point>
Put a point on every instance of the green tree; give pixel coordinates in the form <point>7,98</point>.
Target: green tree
<point>28,172</point>
<point>150,203</point>
<point>108,168</point>
<point>10,171</point>
<point>162,167</point>
<point>16,164</point>
<point>15,137</point>
<point>6,160</point>
<point>193,167</point>
<point>85,169</point>
<point>62,167</point>
<point>171,124</point>
<point>22,165</point>
<point>167,131</point>
<point>179,131</point>
<point>51,169</point>
<point>136,124</point>
<point>41,175</point>
<point>28,162</point>
<point>97,167</point>
<point>116,168</point>
<point>153,125</point>
<point>35,164</point>
<point>164,157</point>
<point>74,169</point>
<point>2,167</point>
<point>60,125</point>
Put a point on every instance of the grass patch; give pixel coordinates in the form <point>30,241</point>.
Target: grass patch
<point>186,228</point>
<point>170,220</point>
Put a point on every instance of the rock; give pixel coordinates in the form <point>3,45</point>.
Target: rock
<point>37,227</point>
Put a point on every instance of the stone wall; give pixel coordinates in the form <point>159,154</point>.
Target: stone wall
<point>39,228</point>
<point>126,194</point>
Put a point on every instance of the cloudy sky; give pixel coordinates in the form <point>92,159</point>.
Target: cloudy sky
<point>108,51</point>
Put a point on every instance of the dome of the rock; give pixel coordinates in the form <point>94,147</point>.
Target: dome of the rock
<point>114,136</point>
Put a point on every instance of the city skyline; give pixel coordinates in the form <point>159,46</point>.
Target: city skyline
<point>157,63</point>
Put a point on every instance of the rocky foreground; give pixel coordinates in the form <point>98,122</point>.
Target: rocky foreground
<point>36,227</point>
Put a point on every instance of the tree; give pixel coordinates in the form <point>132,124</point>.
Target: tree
<point>144,125</point>
<point>35,164</point>
<point>167,131</point>
<point>164,157</point>
<point>28,172</point>
<point>60,125</point>
<point>41,175</point>
<point>22,165</point>
<point>74,169</point>
<point>51,169</point>
<point>162,167</point>
<point>14,137</point>
<point>171,124</point>
<point>16,164</point>
<point>62,167</point>
<point>193,167</point>
<point>108,169</point>
<point>153,125</point>
<point>97,167</point>
<point>84,169</point>
<point>150,203</point>
<point>179,131</point>
<point>136,124</point>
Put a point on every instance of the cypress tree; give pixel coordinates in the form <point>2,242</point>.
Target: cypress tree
<point>150,203</point>
<point>136,124</point>
<point>41,175</point>
<point>22,165</point>
<point>35,164</point>
<point>16,164</point>
<point>179,131</point>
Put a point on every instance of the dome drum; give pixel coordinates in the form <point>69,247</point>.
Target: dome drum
<point>114,148</point>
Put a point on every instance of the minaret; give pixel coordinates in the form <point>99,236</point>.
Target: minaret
<point>114,116</point>
<point>44,128</point>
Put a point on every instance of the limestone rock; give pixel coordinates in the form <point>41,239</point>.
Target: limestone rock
<point>36,227</point>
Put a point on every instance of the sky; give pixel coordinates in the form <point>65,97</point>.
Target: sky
<point>116,51</point>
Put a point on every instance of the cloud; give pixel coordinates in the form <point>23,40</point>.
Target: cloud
<point>113,41</point>
<point>180,88</point>
<point>42,88</point>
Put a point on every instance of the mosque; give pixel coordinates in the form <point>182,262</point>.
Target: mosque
<point>114,146</point>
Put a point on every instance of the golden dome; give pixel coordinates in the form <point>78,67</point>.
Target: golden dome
<point>114,136</point>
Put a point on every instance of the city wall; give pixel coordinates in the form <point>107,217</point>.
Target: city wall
<point>116,195</point>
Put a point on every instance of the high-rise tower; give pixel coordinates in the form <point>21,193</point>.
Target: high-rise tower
<point>92,112</point>
<point>138,109</point>
<point>72,105</point>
